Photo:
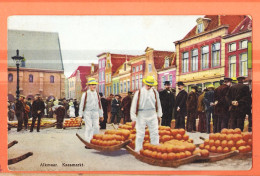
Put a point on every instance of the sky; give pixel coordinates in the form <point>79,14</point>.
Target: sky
<point>82,38</point>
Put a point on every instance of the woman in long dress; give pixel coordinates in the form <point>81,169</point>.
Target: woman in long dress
<point>72,109</point>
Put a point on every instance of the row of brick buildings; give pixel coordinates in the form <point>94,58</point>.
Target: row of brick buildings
<point>218,46</point>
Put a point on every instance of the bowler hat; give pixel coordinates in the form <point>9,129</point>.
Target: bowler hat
<point>226,79</point>
<point>167,83</point>
<point>241,78</point>
<point>100,94</point>
<point>194,87</point>
<point>180,83</point>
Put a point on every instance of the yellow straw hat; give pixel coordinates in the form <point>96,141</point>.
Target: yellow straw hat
<point>234,80</point>
<point>91,81</point>
<point>211,86</point>
<point>149,80</point>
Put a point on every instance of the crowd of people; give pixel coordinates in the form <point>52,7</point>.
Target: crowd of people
<point>227,106</point>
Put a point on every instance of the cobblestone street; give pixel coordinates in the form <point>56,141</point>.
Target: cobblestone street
<point>58,148</point>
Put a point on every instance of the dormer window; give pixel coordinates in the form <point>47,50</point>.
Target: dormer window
<point>166,63</point>
<point>200,28</point>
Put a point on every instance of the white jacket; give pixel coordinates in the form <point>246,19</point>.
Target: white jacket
<point>146,104</point>
<point>91,104</point>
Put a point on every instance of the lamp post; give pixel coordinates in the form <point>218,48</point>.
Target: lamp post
<point>17,59</point>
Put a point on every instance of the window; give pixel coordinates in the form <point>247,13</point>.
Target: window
<point>185,62</point>
<point>170,79</point>
<point>51,79</point>
<point>150,68</point>
<point>99,75</point>
<point>128,85</point>
<point>103,78</point>
<point>121,88</point>
<point>10,77</point>
<point>108,65</point>
<point>232,47</point>
<point>162,82</point>
<point>205,57</point>
<point>141,80</point>
<point>216,54</point>
<point>133,69</point>
<point>30,78</point>
<point>136,82</point>
<point>194,60</point>
<point>117,88</point>
<point>137,68</point>
<point>243,64</point>
<point>103,63</point>
<point>166,63</point>
<point>99,64</point>
<point>200,28</point>
<point>124,86</point>
<point>114,88</point>
<point>133,83</point>
<point>243,44</point>
<point>141,67</point>
<point>232,66</point>
<point>106,77</point>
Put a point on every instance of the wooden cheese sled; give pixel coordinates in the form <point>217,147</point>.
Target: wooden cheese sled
<point>163,163</point>
<point>12,143</point>
<point>19,158</point>
<point>218,156</point>
<point>103,148</point>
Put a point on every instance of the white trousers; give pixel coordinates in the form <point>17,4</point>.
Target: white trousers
<point>152,123</point>
<point>91,119</point>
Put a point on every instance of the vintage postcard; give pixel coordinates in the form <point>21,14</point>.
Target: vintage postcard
<point>129,92</point>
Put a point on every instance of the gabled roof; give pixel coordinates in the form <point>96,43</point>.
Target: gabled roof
<point>41,50</point>
<point>245,25</point>
<point>118,59</point>
<point>83,71</point>
<point>159,58</point>
<point>215,21</point>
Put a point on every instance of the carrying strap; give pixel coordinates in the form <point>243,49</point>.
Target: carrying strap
<point>137,104</point>
<point>85,101</point>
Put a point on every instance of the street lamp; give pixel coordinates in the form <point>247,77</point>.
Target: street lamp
<point>17,59</point>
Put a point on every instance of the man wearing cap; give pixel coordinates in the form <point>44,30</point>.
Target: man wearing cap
<point>239,100</point>
<point>91,109</point>
<point>146,110</point>
<point>126,105</point>
<point>115,109</point>
<point>192,102</point>
<point>167,99</point>
<point>103,124</point>
<point>209,108</point>
<point>180,106</point>
<point>19,112</point>
<point>37,112</point>
<point>221,105</point>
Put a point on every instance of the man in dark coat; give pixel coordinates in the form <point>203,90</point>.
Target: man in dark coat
<point>209,108</point>
<point>191,104</point>
<point>126,105</point>
<point>115,110</point>
<point>221,105</point>
<point>167,98</point>
<point>19,112</point>
<point>239,100</point>
<point>201,113</point>
<point>103,123</point>
<point>109,102</point>
<point>66,106</point>
<point>76,106</point>
<point>59,110</point>
<point>37,112</point>
<point>180,107</point>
